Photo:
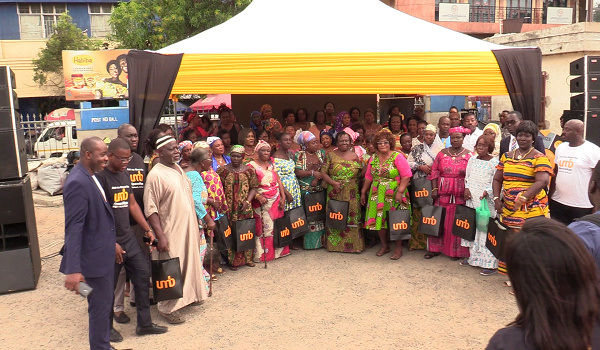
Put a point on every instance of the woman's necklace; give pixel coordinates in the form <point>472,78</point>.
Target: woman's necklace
<point>310,154</point>
<point>249,154</point>
<point>221,161</point>
<point>521,155</point>
<point>455,155</point>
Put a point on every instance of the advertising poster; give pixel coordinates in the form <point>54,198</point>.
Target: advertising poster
<point>95,75</point>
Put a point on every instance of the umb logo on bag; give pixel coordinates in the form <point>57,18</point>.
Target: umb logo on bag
<point>285,232</point>
<point>430,221</point>
<point>168,283</point>
<point>492,239</point>
<point>298,223</point>
<point>228,231</point>
<point>336,216</point>
<point>422,193</point>
<point>316,207</point>
<point>121,196</point>
<point>463,223</point>
<point>246,236</point>
<point>400,225</point>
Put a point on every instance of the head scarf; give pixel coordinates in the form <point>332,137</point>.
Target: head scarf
<point>328,132</point>
<point>431,127</point>
<point>261,144</point>
<point>237,149</point>
<point>201,144</point>
<point>460,129</point>
<point>339,125</point>
<point>254,127</point>
<point>304,137</point>
<point>353,134</point>
<point>271,123</point>
<point>263,107</point>
<point>162,141</point>
<point>184,144</point>
<point>212,140</point>
<point>496,129</point>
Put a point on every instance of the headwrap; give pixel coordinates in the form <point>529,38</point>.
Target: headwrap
<point>252,126</point>
<point>263,107</point>
<point>162,141</point>
<point>271,123</point>
<point>431,127</point>
<point>237,149</point>
<point>304,137</point>
<point>339,125</point>
<point>184,144</point>
<point>210,140</point>
<point>353,134</point>
<point>328,132</point>
<point>261,144</point>
<point>201,144</point>
<point>460,129</point>
<point>496,129</point>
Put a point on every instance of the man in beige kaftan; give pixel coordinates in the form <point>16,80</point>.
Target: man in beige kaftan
<point>169,207</point>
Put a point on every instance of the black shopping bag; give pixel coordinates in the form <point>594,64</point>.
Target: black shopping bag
<point>298,222</point>
<point>496,238</point>
<point>244,235</point>
<point>282,232</point>
<point>399,224</point>
<point>314,206</point>
<point>223,232</point>
<point>432,222</point>
<point>420,193</point>
<point>337,214</point>
<point>464,225</point>
<point>166,279</point>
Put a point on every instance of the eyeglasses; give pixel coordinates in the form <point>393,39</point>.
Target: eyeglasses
<point>125,160</point>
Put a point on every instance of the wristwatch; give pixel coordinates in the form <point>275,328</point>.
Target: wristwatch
<point>496,197</point>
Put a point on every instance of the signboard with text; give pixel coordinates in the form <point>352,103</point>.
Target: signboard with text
<point>104,118</point>
<point>559,15</point>
<point>453,12</point>
<point>95,75</point>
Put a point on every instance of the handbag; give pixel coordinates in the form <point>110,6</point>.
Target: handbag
<point>464,225</point>
<point>282,233</point>
<point>432,221</point>
<point>420,192</point>
<point>314,205</point>
<point>166,279</point>
<point>337,214</point>
<point>497,233</point>
<point>482,215</point>
<point>225,239</point>
<point>244,235</point>
<point>298,222</point>
<point>399,224</point>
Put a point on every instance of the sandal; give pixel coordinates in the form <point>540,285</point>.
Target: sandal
<point>456,258</point>
<point>382,251</point>
<point>464,263</point>
<point>396,257</point>
<point>213,277</point>
<point>173,318</point>
<point>251,264</point>
<point>507,284</point>
<point>487,272</point>
<point>220,271</point>
<point>430,255</point>
<point>234,268</point>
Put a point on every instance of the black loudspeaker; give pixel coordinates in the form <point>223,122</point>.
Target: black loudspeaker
<point>577,67</point>
<point>20,262</point>
<point>8,84</point>
<point>568,115</point>
<point>578,101</point>
<point>13,156</point>
<point>593,83</point>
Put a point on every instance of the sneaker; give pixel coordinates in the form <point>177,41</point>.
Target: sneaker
<point>487,272</point>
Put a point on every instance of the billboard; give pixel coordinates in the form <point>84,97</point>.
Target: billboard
<point>454,12</point>
<point>95,75</point>
<point>559,15</point>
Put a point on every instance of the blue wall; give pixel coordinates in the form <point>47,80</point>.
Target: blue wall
<point>9,22</point>
<point>81,16</point>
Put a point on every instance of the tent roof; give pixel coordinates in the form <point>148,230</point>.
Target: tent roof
<point>334,46</point>
<point>212,101</point>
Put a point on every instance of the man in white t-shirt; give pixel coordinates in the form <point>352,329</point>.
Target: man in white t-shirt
<point>470,122</point>
<point>575,161</point>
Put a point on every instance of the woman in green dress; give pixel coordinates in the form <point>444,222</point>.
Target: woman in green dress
<point>308,170</point>
<point>341,171</point>
<point>386,178</point>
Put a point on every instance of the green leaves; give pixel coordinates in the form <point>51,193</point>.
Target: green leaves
<point>154,24</point>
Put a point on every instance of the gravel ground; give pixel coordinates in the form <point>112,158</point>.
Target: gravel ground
<point>309,300</point>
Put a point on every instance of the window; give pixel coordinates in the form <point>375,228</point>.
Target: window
<point>99,16</point>
<point>37,21</point>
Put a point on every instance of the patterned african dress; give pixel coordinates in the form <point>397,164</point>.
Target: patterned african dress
<point>314,238</point>
<point>397,144</point>
<point>200,195</point>
<point>519,175</point>
<point>215,191</point>
<point>450,174</point>
<point>385,178</point>
<point>420,155</point>
<point>285,169</point>
<point>479,178</point>
<point>351,239</point>
<point>268,187</point>
<point>237,185</point>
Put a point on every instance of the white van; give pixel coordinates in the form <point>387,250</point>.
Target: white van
<point>56,140</point>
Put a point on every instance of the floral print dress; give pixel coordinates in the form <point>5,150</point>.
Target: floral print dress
<point>285,169</point>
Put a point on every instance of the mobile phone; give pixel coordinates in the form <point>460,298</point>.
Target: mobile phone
<point>147,240</point>
<point>84,289</point>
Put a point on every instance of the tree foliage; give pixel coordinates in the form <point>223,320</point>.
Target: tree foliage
<point>154,24</point>
<point>48,67</point>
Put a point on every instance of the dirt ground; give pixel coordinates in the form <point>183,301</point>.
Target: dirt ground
<point>309,300</point>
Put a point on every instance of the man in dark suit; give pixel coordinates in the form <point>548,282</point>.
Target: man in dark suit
<point>509,143</point>
<point>89,251</point>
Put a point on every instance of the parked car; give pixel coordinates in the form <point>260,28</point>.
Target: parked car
<point>56,140</point>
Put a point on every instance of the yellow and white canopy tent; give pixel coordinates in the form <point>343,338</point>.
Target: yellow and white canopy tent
<point>338,47</point>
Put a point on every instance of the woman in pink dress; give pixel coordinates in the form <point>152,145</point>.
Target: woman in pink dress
<point>448,182</point>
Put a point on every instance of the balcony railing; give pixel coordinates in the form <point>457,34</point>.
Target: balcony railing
<point>493,14</point>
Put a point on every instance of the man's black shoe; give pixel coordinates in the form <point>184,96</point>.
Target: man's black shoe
<point>122,318</point>
<point>132,303</point>
<point>152,329</point>
<point>115,336</point>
